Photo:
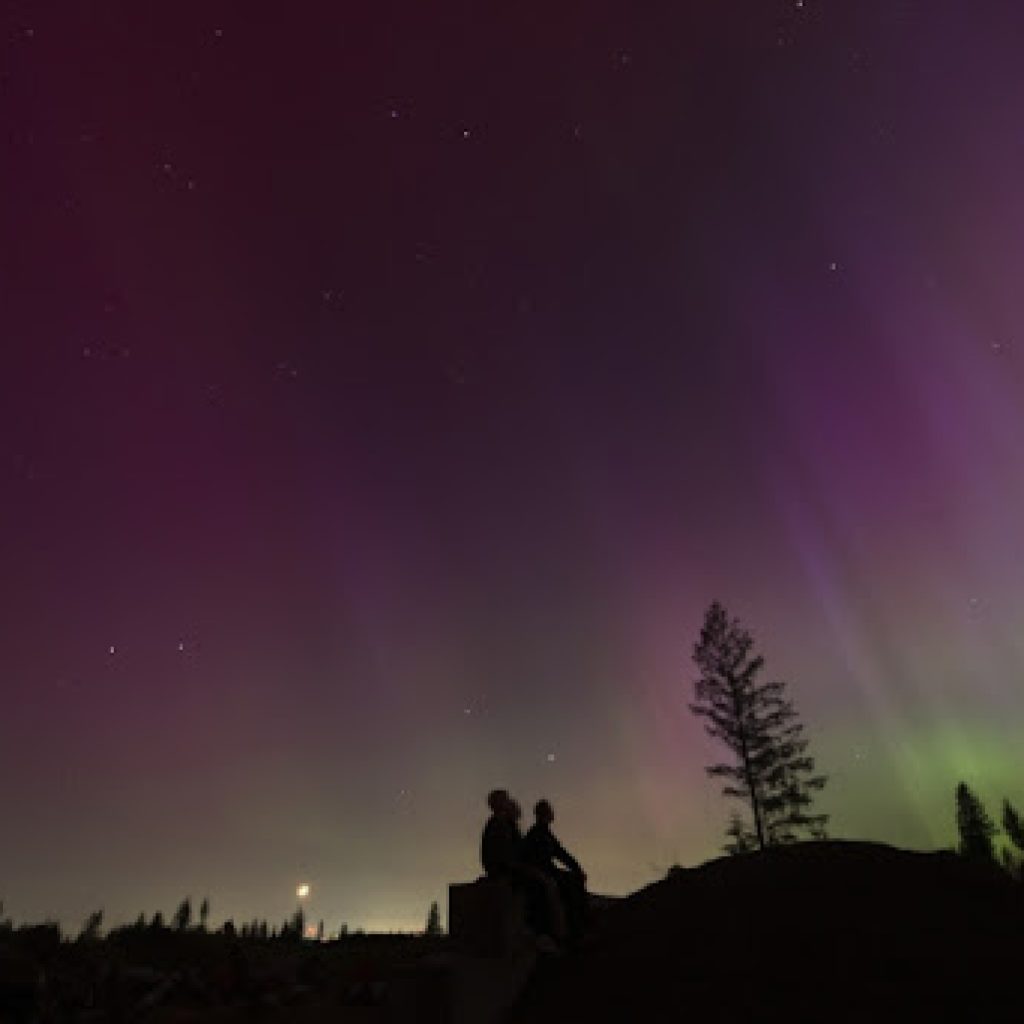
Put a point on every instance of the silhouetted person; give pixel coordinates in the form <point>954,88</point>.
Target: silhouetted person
<point>541,850</point>
<point>499,845</point>
<point>501,852</point>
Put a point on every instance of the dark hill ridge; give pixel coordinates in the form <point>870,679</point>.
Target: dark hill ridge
<point>822,931</point>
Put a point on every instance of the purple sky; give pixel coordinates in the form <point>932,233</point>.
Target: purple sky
<point>386,394</point>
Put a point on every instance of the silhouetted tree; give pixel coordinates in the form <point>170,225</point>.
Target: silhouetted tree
<point>320,931</point>
<point>183,915</point>
<point>976,828</point>
<point>433,920</point>
<point>1013,826</point>
<point>261,930</point>
<point>772,773</point>
<point>204,912</point>
<point>140,922</point>
<point>228,928</point>
<point>297,925</point>
<point>91,928</point>
<point>158,921</point>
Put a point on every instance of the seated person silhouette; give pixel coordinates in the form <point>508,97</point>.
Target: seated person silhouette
<point>541,850</point>
<point>499,846</point>
<point>501,852</point>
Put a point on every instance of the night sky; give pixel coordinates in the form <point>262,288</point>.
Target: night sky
<point>388,389</point>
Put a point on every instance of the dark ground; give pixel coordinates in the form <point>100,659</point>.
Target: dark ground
<point>818,932</point>
<point>824,931</point>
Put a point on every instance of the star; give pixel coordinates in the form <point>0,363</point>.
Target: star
<point>551,758</point>
<point>111,649</point>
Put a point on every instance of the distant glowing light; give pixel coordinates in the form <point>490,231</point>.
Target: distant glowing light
<point>302,890</point>
<point>111,649</point>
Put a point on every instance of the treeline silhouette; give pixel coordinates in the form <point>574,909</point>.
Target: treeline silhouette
<point>156,964</point>
<point>767,771</point>
<point>293,927</point>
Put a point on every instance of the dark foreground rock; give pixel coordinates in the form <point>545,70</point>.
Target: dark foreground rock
<point>817,932</point>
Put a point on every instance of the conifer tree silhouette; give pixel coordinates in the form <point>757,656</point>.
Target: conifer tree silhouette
<point>772,771</point>
<point>1013,826</point>
<point>433,920</point>
<point>974,825</point>
<point>91,928</point>
<point>183,915</point>
<point>204,913</point>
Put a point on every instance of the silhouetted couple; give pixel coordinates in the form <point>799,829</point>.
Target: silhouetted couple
<point>556,896</point>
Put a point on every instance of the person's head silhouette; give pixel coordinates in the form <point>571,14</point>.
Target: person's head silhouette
<point>543,812</point>
<point>498,801</point>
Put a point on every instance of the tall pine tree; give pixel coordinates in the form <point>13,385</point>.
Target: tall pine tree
<point>771,770</point>
<point>975,826</point>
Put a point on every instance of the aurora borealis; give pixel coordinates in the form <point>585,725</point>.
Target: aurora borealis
<point>387,391</point>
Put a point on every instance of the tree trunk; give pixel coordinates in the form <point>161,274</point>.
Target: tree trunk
<point>755,803</point>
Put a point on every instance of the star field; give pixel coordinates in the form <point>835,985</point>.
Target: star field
<point>386,393</point>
